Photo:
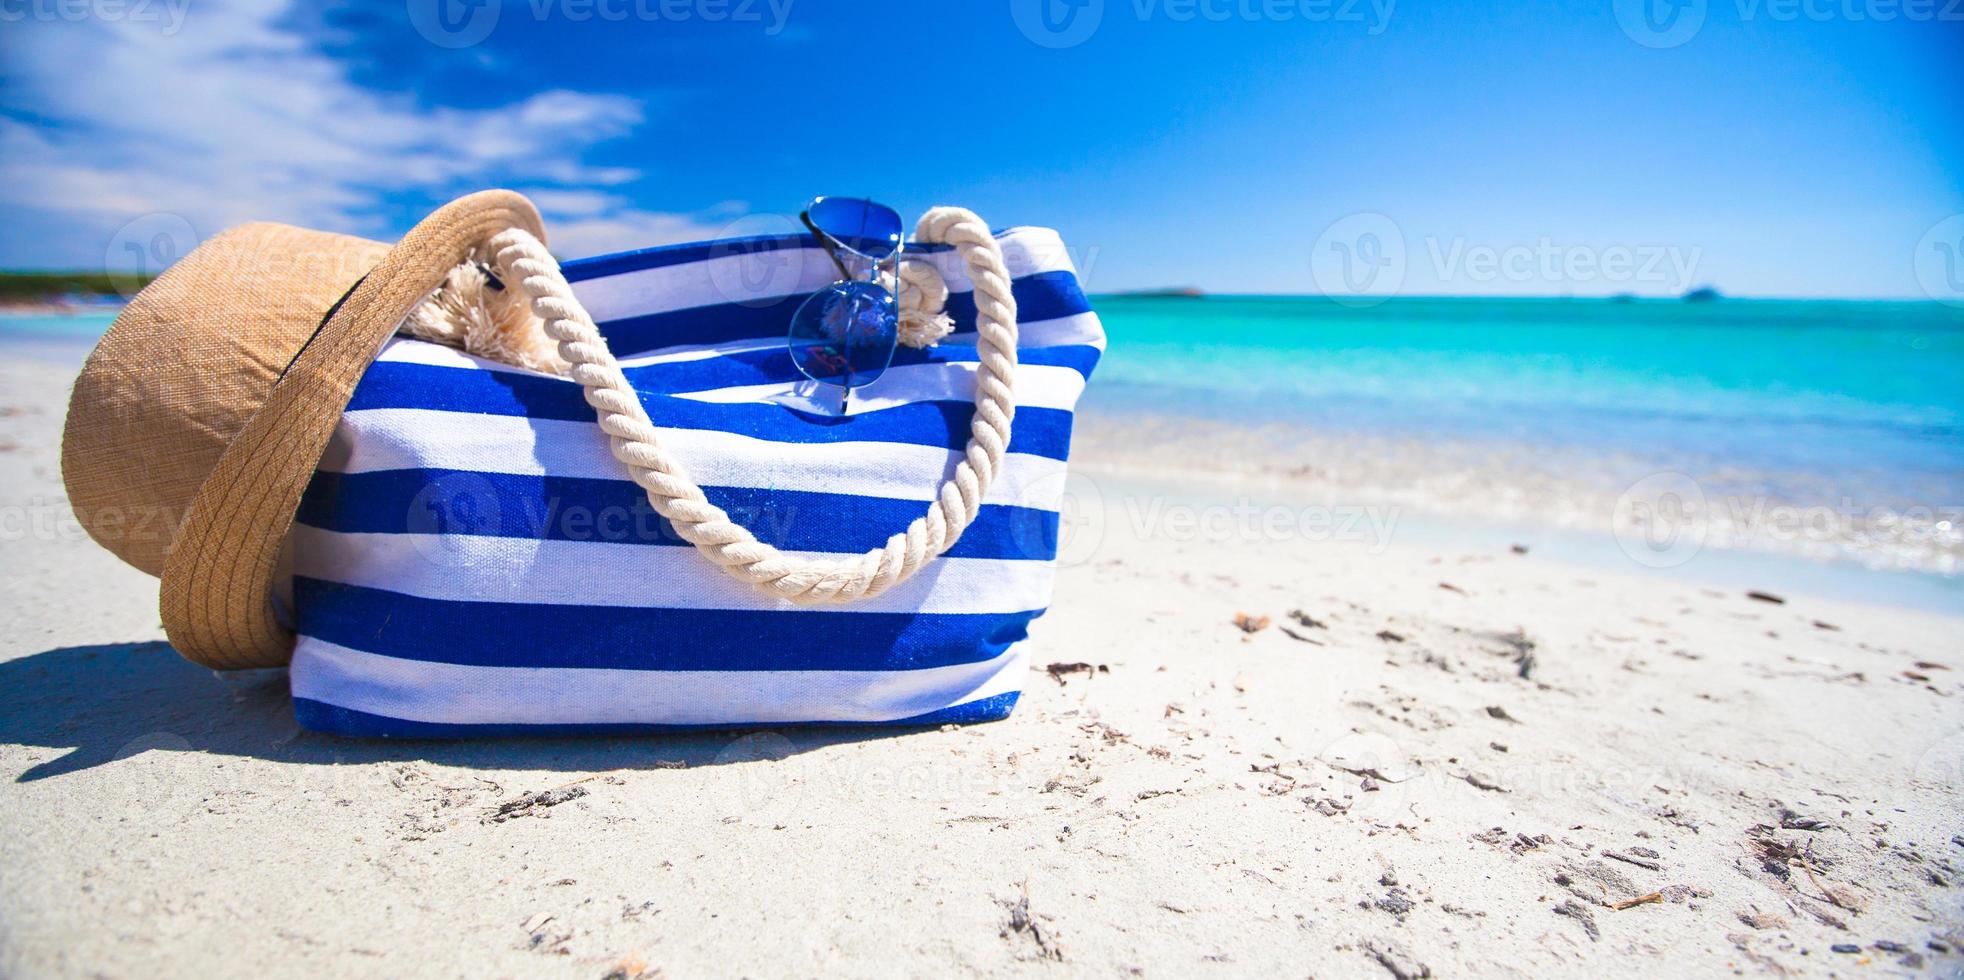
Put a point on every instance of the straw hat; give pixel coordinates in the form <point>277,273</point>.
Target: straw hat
<point>199,418</point>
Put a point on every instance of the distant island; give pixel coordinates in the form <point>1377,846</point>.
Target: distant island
<point>1703,294</point>
<point>1177,292</point>
<point>63,292</point>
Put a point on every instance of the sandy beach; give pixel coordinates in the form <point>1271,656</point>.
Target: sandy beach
<point>1421,761</point>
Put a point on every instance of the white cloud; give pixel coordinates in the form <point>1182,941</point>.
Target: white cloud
<point>574,202</point>
<point>237,117</point>
<point>628,228</point>
<point>582,222</point>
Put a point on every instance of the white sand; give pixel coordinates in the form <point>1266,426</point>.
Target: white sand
<point>1170,814</point>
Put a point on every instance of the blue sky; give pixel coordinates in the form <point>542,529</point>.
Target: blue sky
<point>1768,147</point>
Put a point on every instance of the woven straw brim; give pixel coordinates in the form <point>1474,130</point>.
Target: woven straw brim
<point>219,577</point>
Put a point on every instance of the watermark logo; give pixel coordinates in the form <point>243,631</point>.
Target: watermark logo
<point>1660,23</point>
<point>755,263</point>
<point>1659,522</point>
<point>144,248</point>
<point>150,784</point>
<point>1359,260</point>
<point>766,788</point>
<point>1939,261</point>
<point>454,23</point>
<point>1942,764</point>
<point>448,513</point>
<point>1057,23</point>
<point>1080,518</point>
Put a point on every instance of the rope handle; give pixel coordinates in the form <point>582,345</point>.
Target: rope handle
<point>523,259</point>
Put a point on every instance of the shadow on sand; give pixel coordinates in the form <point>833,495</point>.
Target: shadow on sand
<point>115,700</point>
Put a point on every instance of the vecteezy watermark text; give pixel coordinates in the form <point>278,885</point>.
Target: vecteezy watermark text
<point>1373,14</point>
<point>468,504</point>
<point>1364,258</point>
<point>1670,23</point>
<point>1243,520</point>
<point>772,14</point>
<point>1085,515</point>
<point>1548,261</point>
<point>166,15</point>
<point>465,23</point>
<point>1665,519</point>
<point>1069,23</point>
<point>53,519</point>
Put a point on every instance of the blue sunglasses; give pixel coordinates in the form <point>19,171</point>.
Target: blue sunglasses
<point>844,335</point>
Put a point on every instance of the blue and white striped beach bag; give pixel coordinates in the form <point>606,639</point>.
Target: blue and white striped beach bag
<point>472,559</point>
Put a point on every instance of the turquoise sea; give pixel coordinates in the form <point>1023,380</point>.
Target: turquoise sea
<point>1807,397</point>
<point>1851,412</point>
<point>58,338</point>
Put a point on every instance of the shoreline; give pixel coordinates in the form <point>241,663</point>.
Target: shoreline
<point>1658,516</point>
<point>57,308</point>
<point>1132,496</point>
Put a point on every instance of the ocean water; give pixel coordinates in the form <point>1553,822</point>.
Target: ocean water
<point>62,339</point>
<point>1830,429</point>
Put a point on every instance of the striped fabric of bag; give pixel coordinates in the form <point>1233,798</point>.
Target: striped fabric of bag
<point>470,559</point>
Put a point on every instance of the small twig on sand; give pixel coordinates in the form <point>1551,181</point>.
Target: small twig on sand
<point>1058,670</point>
<point>1641,862</point>
<point>526,805</point>
<point>1298,636</point>
<point>1307,621</point>
<point>1839,898</point>
<point>530,803</point>
<point>1630,903</point>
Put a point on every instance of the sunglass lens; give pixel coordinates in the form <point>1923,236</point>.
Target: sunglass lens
<point>844,334</point>
<point>872,230</point>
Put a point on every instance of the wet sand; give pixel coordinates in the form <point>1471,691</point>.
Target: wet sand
<point>1661,510</point>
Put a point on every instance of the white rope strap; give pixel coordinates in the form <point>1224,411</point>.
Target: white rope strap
<point>524,260</point>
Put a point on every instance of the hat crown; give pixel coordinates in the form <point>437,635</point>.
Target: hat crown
<point>184,366</point>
